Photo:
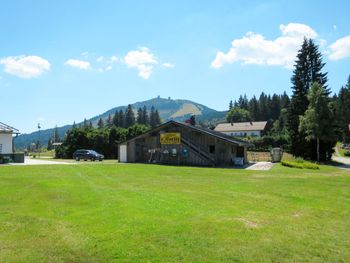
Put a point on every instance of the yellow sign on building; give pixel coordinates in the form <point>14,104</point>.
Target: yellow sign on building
<point>170,138</point>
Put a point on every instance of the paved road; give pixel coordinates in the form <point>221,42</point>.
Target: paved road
<point>343,161</point>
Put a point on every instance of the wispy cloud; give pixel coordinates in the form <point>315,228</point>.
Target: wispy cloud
<point>80,64</point>
<point>141,59</point>
<point>168,65</point>
<point>253,48</point>
<point>25,66</point>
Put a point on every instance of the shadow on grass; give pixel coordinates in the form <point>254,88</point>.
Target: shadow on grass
<point>339,164</point>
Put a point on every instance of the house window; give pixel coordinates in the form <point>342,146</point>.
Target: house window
<point>211,148</point>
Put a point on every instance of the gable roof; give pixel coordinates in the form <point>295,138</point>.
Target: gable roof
<point>241,126</point>
<point>4,128</point>
<point>209,132</point>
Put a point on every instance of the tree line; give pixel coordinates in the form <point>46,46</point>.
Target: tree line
<point>311,121</point>
<point>108,134</point>
<point>126,119</point>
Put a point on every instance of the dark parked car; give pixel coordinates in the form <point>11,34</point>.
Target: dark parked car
<point>87,155</point>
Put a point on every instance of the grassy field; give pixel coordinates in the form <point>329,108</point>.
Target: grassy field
<point>148,213</point>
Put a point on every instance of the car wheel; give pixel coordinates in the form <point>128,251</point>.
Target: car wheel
<point>77,159</point>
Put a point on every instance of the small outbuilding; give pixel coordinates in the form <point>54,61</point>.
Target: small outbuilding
<point>177,143</point>
<point>6,144</point>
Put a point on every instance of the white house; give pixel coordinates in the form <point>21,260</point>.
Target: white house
<point>242,129</point>
<point>6,138</point>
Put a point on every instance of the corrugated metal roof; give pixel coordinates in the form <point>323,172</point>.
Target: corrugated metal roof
<point>7,129</point>
<point>241,126</point>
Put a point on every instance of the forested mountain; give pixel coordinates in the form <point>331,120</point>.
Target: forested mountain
<point>168,109</point>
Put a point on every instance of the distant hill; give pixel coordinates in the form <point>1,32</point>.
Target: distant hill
<point>169,109</point>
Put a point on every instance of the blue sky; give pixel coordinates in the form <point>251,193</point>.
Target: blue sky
<point>63,61</point>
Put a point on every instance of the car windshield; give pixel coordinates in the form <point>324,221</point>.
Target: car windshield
<point>93,152</point>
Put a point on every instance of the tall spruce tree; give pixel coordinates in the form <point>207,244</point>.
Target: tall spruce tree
<point>145,118</point>
<point>307,69</point>
<point>154,118</point>
<point>139,118</point>
<point>253,107</point>
<point>129,117</point>
<point>121,119</point>
<point>109,121</point>
<point>100,123</point>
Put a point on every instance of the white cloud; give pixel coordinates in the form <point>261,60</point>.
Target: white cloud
<point>143,60</point>
<point>255,49</point>
<point>168,65</point>
<point>80,64</point>
<point>85,54</point>
<point>334,27</point>
<point>100,59</point>
<point>340,49</point>
<point>25,66</point>
<point>108,68</point>
<point>113,59</point>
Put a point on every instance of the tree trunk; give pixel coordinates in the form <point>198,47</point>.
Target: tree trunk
<point>318,149</point>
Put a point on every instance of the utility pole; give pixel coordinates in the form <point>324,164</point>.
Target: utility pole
<point>39,146</point>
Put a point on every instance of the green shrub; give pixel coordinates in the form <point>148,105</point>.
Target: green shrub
<point>301,164</point>
<point>347,153</point>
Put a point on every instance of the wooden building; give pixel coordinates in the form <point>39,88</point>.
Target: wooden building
<point>183,144</point>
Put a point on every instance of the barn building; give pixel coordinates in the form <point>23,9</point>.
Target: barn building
<point>177,143</point>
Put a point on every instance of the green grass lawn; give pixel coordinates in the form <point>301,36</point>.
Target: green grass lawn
<point>149,213</point>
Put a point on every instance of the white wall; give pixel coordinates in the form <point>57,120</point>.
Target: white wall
<point>6,143</point>
<point>244,133</point>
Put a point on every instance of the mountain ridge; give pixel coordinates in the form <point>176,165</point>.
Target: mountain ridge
<point>169,109</point>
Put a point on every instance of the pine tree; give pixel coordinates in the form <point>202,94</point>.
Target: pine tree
<point>308,69</point>
<point>121,119</point>
<point>139,118</point>
<point>157,118</point>
<point>100,123</point>
<point>154,118</point>
<point>230,106</point>
<point>317,122</point>
<point>85,124</point>
<point>253,107</point>
<point>129,117</point>
<point>109,121</point>
<point>275,107</point>
<point>145,115</point>
<point>115,119</point>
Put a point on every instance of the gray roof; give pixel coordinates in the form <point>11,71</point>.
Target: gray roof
<point>213,133</point>
<point>241,126</point>
<point>4,128</point>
